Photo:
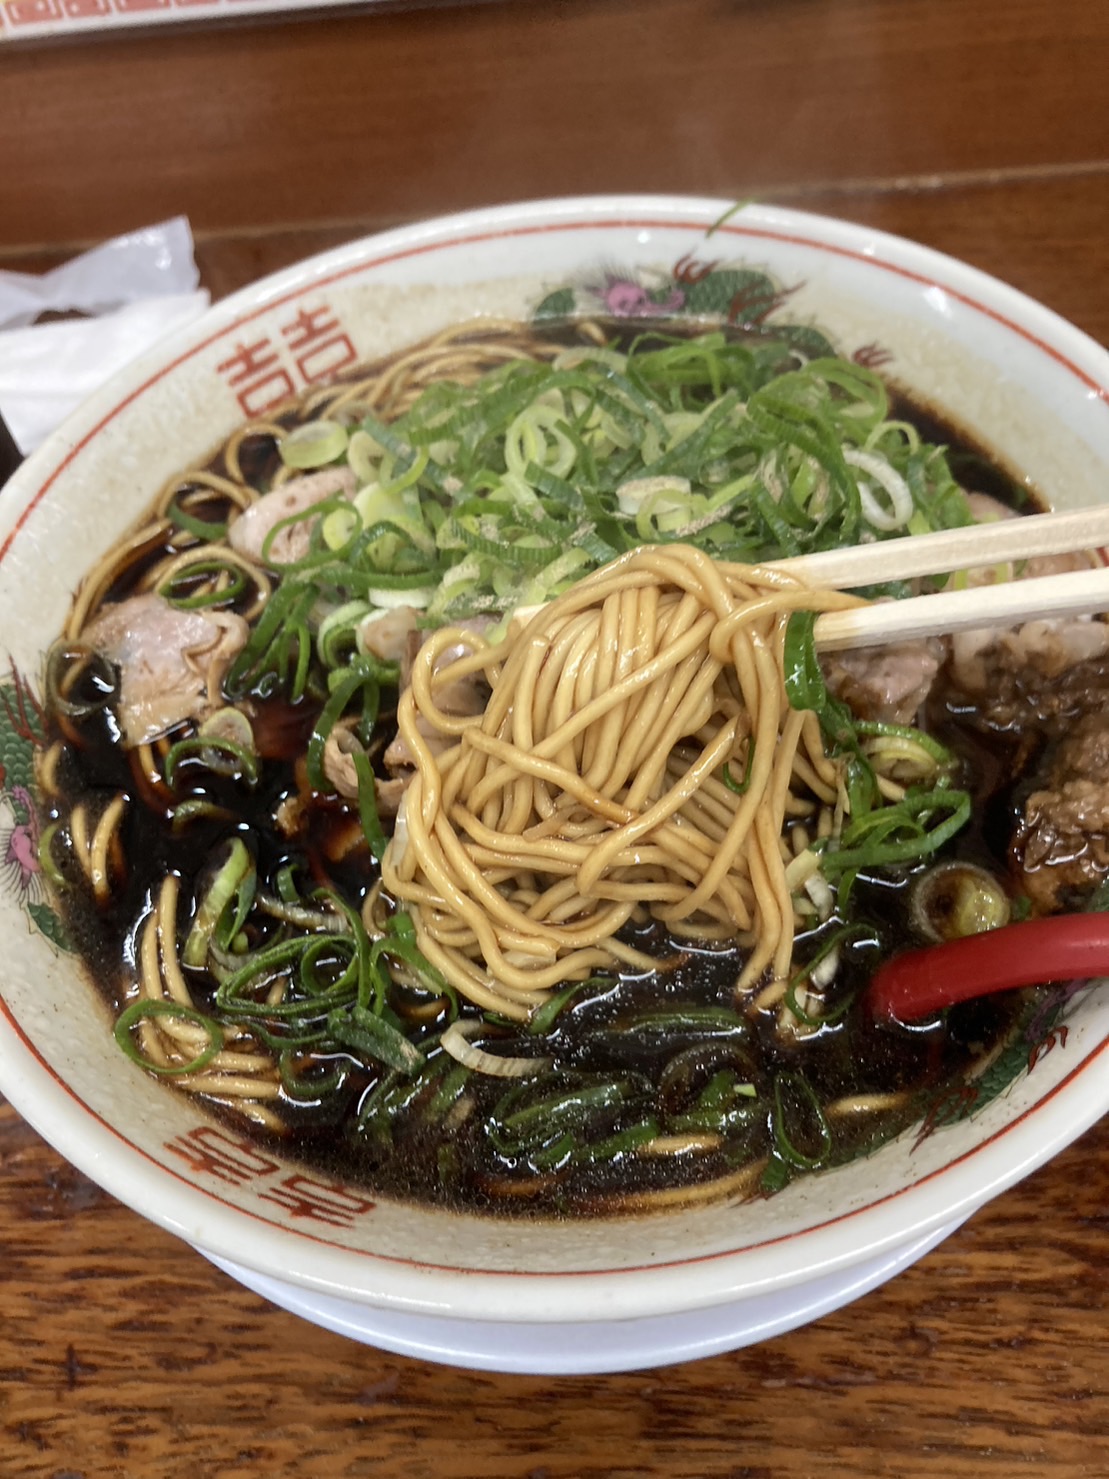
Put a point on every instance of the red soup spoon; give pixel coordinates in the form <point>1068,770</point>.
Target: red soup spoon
<point>1063,947</point>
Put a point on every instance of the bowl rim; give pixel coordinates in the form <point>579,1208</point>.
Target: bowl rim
<point>192,1211</point>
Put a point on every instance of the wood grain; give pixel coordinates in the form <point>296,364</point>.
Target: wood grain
<point>123,1353</point>
<point>979,129</point>
<point>377,117</point>
<point>1047,236</point>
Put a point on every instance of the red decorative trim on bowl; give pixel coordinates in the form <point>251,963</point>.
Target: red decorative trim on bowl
<point>476,238</point>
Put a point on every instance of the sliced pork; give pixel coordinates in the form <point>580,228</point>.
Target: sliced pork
<point>1013,670</point>
<point>1061,848</point>
<point>1002,664</point>
<point>249,531</point>
<point>1011,673</point>
<point>888,684</point>
<point>390,636</point>
<point>462,698</point>
<point>339,768</point>
<point>171,662</point>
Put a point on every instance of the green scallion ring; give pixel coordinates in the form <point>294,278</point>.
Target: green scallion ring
<point>138,1011</point>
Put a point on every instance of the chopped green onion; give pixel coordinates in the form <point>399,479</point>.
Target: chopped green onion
<point>229,880</point>
<point>46,857</point>
<point>739,788</point>
<point>140,1011</point>
<point>375,1037</point>
<point>801,1131</point>
<point>313,444</point>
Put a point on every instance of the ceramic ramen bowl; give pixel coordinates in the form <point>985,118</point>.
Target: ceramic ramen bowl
<point>1014,376</point>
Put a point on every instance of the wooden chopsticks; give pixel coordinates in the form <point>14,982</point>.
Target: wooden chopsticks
<point>1005,603</point>
<point>953,549</point>
<point>1075,593</point>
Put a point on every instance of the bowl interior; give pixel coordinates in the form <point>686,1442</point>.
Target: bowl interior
<point>1030,388</point>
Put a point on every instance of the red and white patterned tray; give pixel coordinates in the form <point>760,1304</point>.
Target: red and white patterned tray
<point>30,19</point>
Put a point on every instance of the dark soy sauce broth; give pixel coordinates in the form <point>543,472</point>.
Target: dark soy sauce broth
<point>614,1029</point>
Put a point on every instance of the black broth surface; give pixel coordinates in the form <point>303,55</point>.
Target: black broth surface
<point>639,1058</point>
<point>659,1039</point>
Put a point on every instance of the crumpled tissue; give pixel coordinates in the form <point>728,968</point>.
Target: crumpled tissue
<point>138,288</point>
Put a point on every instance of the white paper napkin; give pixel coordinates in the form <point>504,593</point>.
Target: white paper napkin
<point>140,286</point>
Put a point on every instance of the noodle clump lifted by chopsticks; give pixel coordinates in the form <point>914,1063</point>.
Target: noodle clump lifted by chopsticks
<point>637,754</point>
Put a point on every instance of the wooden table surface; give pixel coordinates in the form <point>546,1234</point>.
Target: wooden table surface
<point>981,129</point>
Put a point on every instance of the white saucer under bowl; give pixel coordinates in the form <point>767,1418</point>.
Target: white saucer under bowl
<point>589,1348</point>
<point>574,1294</point>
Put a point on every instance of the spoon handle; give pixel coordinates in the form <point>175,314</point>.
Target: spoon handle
<point>1063,947</point>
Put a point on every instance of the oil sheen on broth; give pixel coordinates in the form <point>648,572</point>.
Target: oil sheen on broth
<point>667,1082</point>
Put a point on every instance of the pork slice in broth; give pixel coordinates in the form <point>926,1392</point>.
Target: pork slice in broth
<point>171,662</point>
<point>888,684</point>
<point>1061,847</point>
<point>250,530</point>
